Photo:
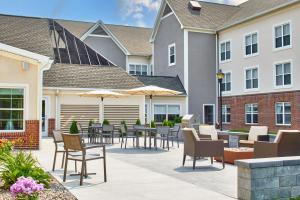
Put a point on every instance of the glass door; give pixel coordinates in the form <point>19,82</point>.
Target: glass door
<point>209,114</point>
<point>45,117</point>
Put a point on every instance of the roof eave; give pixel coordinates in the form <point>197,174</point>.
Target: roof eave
<point>258,15</point>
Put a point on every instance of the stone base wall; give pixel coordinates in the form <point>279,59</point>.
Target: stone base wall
<point>26,140</point>
<point>266,109</point>
<point>271,178</point>
<point>51,126</point>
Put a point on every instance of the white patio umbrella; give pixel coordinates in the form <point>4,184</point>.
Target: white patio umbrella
<point>151,91</point>
<point>101,94</point>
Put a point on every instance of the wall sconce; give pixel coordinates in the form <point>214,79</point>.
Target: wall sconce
<point>25,66</point>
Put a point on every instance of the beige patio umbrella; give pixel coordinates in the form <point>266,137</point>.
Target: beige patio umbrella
<point>151,91</point>
<point>101,94</point>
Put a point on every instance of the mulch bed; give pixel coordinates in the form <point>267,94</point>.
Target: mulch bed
<point>56,192</point>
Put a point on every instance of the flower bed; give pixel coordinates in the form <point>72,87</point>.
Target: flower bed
<point>55,192</point>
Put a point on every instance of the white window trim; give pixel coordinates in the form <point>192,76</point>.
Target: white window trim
<point>230,91</point>
<point>244,45</point>
<point>167,111</point>
<point>274,74</point>
<point>284,124</point>
<point>274,36</point>
<point>25,107</point>
<point>226,114</point>
<point>258,76</point>
<point>169,54</point>
<point>135,64</point>
<point>214,112</point>
<point>251,114</point>
<point>228,60</point>
<point>167,15</point>
<point>101,36</point>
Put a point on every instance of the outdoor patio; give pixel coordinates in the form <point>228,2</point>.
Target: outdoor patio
<point>146,174</point>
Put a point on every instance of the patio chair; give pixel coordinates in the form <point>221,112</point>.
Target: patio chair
<point>127,134</point>
<point>163,133</point>
<point>73,142</point>
<point>254,133</point>
<point>175,134</point>
<point>197,148</point>
<point>108,132</point>
<point>59,148</point>
<point>94,133</point>
<point>286,143</point>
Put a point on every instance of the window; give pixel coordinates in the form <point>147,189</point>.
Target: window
<point>251,111</point>
<point>283,113</point>
<point>226,114</point>
<point>226,82</point>
<point>283,74</point>
<point>225,51</point>
<point>166,112</point>
<point>252,78</point>
<point>283,35</point>
<point>11,109</point>
<point>251,44</point>
<point>138,69</point>
<point>172,54</point>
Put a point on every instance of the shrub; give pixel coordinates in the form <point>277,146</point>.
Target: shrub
<point>138,122</point>
<point>74,128</point>
<point>178,120</point>
<point>152,124</point>
<point>26,189</point>
<point>105,122</point>
<point>168,123</point>
<point>6,147</point>
<point>22,164</point>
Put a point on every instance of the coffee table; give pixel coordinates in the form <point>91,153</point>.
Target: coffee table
<point>232,154</point>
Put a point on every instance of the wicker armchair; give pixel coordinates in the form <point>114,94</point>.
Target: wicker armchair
<point>254,134</point>
<point>196,148</point>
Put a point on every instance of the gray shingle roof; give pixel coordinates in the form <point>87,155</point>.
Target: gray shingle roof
<point>28,33</point>
<point>85,76</point>
<point>214,16</point>
<point>134,39</point>
<point>172,83</point>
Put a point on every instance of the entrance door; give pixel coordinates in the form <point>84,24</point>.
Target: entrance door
<point>45,115</point>
<point>209,114</point>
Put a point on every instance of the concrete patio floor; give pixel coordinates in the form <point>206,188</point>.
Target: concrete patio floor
<point>136,174</point>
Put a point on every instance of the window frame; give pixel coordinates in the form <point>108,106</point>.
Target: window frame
<point>226,114</point>
<point>283,113</point>
<point>227,91</point>
<point>274,35</point>
<point>251,113</point>
<point>136,64</point>
<point>169,54</point>
<point>167,109</point>
<point>245,79</point>
<point>220,51</point>
<point>25,88</point>
<point>274,74</point>
<point>244,45</point>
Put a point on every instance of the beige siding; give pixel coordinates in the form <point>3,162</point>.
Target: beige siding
<point>267,55</point>
<point>117,113</point>
<point>81,113</point>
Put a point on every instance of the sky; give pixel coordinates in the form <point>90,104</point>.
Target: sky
<point>126,12</point>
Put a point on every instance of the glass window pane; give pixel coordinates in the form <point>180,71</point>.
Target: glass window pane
<point>255,83</point>
<point>248,74</point>
<point>287,119</point>
<point>5,93</point>
<point>255,118</point>
<point>248,118</point>
<point>248,108</point>
<point>279,69</point>
<point>286,29</point>
<point>228,55</point>
<point>248,50</point>
<point>286,40</point>
<point>174,109</point>
<point>287,68</point>
<point>287,79</point>
<point>227,46</point>
<point>279,119</point>
<point>223,47</point>
<point>254,73</point>
<point>172,50</point>
<point>287,108</point>
<point>254,48</point>
<point>248,84</point>
<point>223,56</point>
<point>254,38</point>
<point>279,80</point>
<point>5,103</point>
<point>278,31</point>
<point>172,59</point>
<point>248,40</point>
<point>159,117</point>
<point>160,109</point>
<point>279,108</point>
<point>278,42</point>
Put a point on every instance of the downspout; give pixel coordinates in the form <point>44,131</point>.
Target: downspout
<point>217,70</point>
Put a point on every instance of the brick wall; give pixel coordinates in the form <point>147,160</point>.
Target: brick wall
<point>29,139</point>
<point>51,126</point>
<point>266,109</point>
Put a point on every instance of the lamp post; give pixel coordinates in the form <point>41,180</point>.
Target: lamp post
<point>220,76</point>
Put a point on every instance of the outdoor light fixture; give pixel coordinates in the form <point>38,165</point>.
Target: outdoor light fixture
<point>220,76</point>
<point>25,66</point>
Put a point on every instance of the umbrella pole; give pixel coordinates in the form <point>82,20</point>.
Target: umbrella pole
<point>102,111</point>
<point>150,109</point>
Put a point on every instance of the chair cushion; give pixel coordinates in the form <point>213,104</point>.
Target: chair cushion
<point>209,130</point>
<point>257,130</point>
<point>279,134</point>
<point>246,142</point>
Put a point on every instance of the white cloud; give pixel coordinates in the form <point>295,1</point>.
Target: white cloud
<point>136,9</point>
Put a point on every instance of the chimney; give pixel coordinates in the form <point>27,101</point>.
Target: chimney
<point>195,5</point>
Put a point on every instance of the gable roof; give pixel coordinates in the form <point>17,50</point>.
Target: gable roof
<point>77,28</point>
<point>86,76</point>
<point>168,82</point>
<point>134,39</point>
<point>214,16</point>
<point>28,33</point>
